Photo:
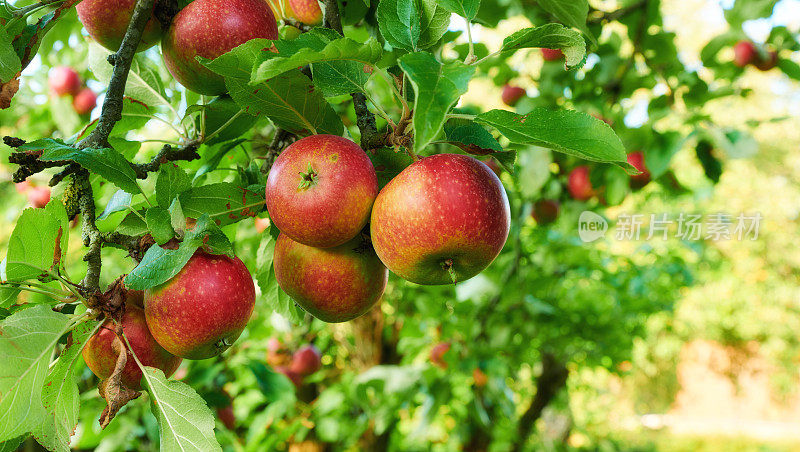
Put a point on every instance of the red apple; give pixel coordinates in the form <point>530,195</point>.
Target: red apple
<point>637,160</point>
<point>279,14</point>
<point>38,196</point>
<point>479,377</point>
<point>101,358</point>
<point>306,360</point>
<point>226,416</point>
<point>579,185</point>
<point>744,53</point>
<point>201,311</point>
<point>23,187</point>
<point>320,190</point>
<point>765,64</point>
<point>437,354</point>
<point>494,166</point>
<point>84,102</point>
<point>512,95</point>
<point>64,81</point>
<point>209,28</point>
<point>333,284</point>
<point>306,11</point>
<point>108,20</point>
<point>545,211</point>
<point>552,54</point>
<point>294,377</point>
<point>443,219</point>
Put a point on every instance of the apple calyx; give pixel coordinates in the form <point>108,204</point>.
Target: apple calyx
<point>309,178</point>
<point>447,265</point>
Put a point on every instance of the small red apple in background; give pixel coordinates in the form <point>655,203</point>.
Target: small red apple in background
<point>22,187</point>
<point>479,377</point>
<point>744,52</point>
<point>226,416</point>
<point>277,353</point>
<point>262,224</point>
<point>294,377</point>
<point>443,218</point>
<point>306,11</point>
<point>38,196</point>
<point>765,64</point>
<point>306,360</point>
<point>279,14</point>
<point>320,190</point>
<point>64,81</point>
<point>552,54</point>
<point>437,354</point>
<point>579,185</point>
<point>201,311</point>
<point>512,95</point>
<point>84,102</point>
<point>107,21</point>
<point>637,160</point>
<point>101,358</point>
<point>545,211</point>
<point>333,284</point>
<point>199,30</point>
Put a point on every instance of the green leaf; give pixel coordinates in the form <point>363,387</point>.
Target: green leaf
<point>277,300</point>
<point>133,223</point>
<point>33,247</point>
<point>567,131</point>
<point>217,113</point>
<point>412,24</point>
<point>464,8</point>
<point>273,385</point>
<point>159,222</point>
<point>437,87</point>
<point>472,138</point>
<point>185,422</point>
<point>171,182</point>
<point>176,217</point>
<point>60,394</point>
<point>10,64</point>
<point>26,347</point>
<point>106,162</point>
<point>144,82</point>
<point>288,99</point>
<point>224,202</point>
<point>572,13</point>
<point>549,36</point>
<point>790,68</point>
<point>120,201</point>
<point>159,265</point>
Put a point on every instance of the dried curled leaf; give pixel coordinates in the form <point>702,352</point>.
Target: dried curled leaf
<point>116,394</point>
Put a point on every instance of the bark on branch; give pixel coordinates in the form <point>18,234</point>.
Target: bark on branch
<point>552,379</point>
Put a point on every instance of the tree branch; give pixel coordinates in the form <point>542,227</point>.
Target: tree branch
<point>167,154</point>
<point>552,379</point>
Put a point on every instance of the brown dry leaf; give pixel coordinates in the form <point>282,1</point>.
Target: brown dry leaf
<point>116,394</point>
<point>7,91</point>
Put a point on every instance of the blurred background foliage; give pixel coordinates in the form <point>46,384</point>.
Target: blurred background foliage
<point>662,345</point>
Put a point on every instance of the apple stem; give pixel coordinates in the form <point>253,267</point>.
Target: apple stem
<point>309,178</point>
<point>448,265</point>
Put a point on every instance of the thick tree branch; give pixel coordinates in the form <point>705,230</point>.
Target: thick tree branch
<point>167,154</point>
<point>552,379</point>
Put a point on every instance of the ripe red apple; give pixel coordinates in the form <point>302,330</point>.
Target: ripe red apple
<point>552,54</point>
<point>765,64</point>
<point>479,377</point>
<point>333,284</point>
<point>744,53</point>
<point>306,360</point>
<point>101,358</point>
<point>108,20</point>
<point>38,196</point>
<point>262,224</point>
<point>23,187</point>
<point>279,14</point>
<point>437,354</point>
<point>579,185</point>
<point>226,416</point>
<point>306,11</point>
<point>512,95</point>
<point>545,211</point>
<point>637,160</point>
<point>84,102</point>
<point>201,311</point>
<point>445,218</point>
<point>320,190</point>
<point>209,28</point>
<point>64,81</point>
<point>294,377</point>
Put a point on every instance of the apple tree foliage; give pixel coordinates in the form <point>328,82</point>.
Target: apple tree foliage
<point>391,74</point>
